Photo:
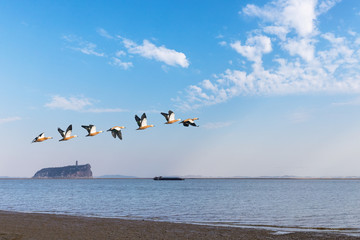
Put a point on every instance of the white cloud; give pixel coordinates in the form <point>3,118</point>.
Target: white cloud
<point>307,61</point>
<point>71,103</point>
<point>162,54</point>
<point>85,47</point>
<point>118,62</point>
<point>255,47</point>
<point>120,53</point>
<point>9,119</point>
<point>303,47</point>
<point>298,15</point>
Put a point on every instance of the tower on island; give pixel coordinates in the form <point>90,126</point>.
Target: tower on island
<point>76,163</point>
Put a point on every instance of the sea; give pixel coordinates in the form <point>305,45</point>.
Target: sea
<point>282,205</point>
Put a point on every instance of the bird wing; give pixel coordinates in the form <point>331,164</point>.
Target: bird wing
<point>166,116</point>
<point>119,134</point>
<point>186,124</point>
<point>138,120</point>
<point>68,131</point>
<point>143,120</point>
<point>86,127</point>
<point>113,133</point>
<point>61,132</point>
<point>92,128</point>
<point>42,135</point>
<point>35,139</point>
<point>171,116</point>
<point>192,124</point>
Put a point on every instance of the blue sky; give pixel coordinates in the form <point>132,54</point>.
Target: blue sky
<point>275,84</point>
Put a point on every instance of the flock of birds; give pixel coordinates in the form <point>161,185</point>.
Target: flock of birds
<point>116,131</point>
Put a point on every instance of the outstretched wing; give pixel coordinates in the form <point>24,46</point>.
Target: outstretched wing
<point>166,116</point>
<point>171,116</point>
<point>92,128</point>
<point>40,136</point>
<point>86,127</point>
<point>62,133</point>
<point>143,120</point>
<point>186,124</point>
<point>138,120</point>
<point>68,131</point>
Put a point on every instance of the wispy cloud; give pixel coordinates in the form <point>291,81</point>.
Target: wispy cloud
<point>71,103</point>
<point>83,46</point>
<point>102,32</point>
<point>151,51</point>
<point>79,104</point>
<point>119,63</point>
<point>306,60</point>
<point>9,119</point>
<point>351,102</point>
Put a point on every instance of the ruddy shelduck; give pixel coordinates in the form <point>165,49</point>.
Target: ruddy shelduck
<point>41,138</point>
<point>142,122</point>
<point>170,117</point>
<point>91,130</point>
<point>189,121</point>
<point>66,135</point>
<point>116,131</point>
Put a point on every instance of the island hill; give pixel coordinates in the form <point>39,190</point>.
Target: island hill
<point>73,171</point>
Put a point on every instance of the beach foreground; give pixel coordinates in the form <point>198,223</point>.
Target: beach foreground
<point>48,226</point>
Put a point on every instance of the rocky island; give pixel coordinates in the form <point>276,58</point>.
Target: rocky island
<point>73,171</point>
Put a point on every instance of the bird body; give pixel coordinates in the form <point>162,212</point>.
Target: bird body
<point>116,131</point>
<point>91,130</point>
<point>41,138</point>
<point>67,134</point>
<point>189,121</point>
<point>170,117</point>
<point>142,122</point>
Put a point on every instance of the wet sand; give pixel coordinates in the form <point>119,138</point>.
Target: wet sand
<point>16,226</point>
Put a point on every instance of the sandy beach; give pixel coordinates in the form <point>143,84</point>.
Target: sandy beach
<point>16,226</point>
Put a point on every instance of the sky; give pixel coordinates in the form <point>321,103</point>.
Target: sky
<point>275,85</point>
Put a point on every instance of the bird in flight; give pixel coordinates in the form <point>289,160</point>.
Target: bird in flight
<point>142,122</point>
<point>67,134</point>
<point>189,121</point>
<point>91,130</point>
<point>116,131</point>
<point>41,138</point>
<point>170,117</point>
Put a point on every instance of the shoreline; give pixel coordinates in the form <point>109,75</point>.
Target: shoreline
<point>17,225</point>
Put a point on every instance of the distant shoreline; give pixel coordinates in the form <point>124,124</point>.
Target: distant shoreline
<point>205,178</point>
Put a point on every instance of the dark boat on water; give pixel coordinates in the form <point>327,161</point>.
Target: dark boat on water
<point>168,178</point>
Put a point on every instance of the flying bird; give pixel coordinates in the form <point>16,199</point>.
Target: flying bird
<point>170,117</point>
<point>116,131</point>
<point>91,130</point>
<point>142,122</point>
<point>189,121</point>
<point>66,135</point>
<point>41,138</point>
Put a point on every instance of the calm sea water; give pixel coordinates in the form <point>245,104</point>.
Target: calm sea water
<point>286,205</point>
